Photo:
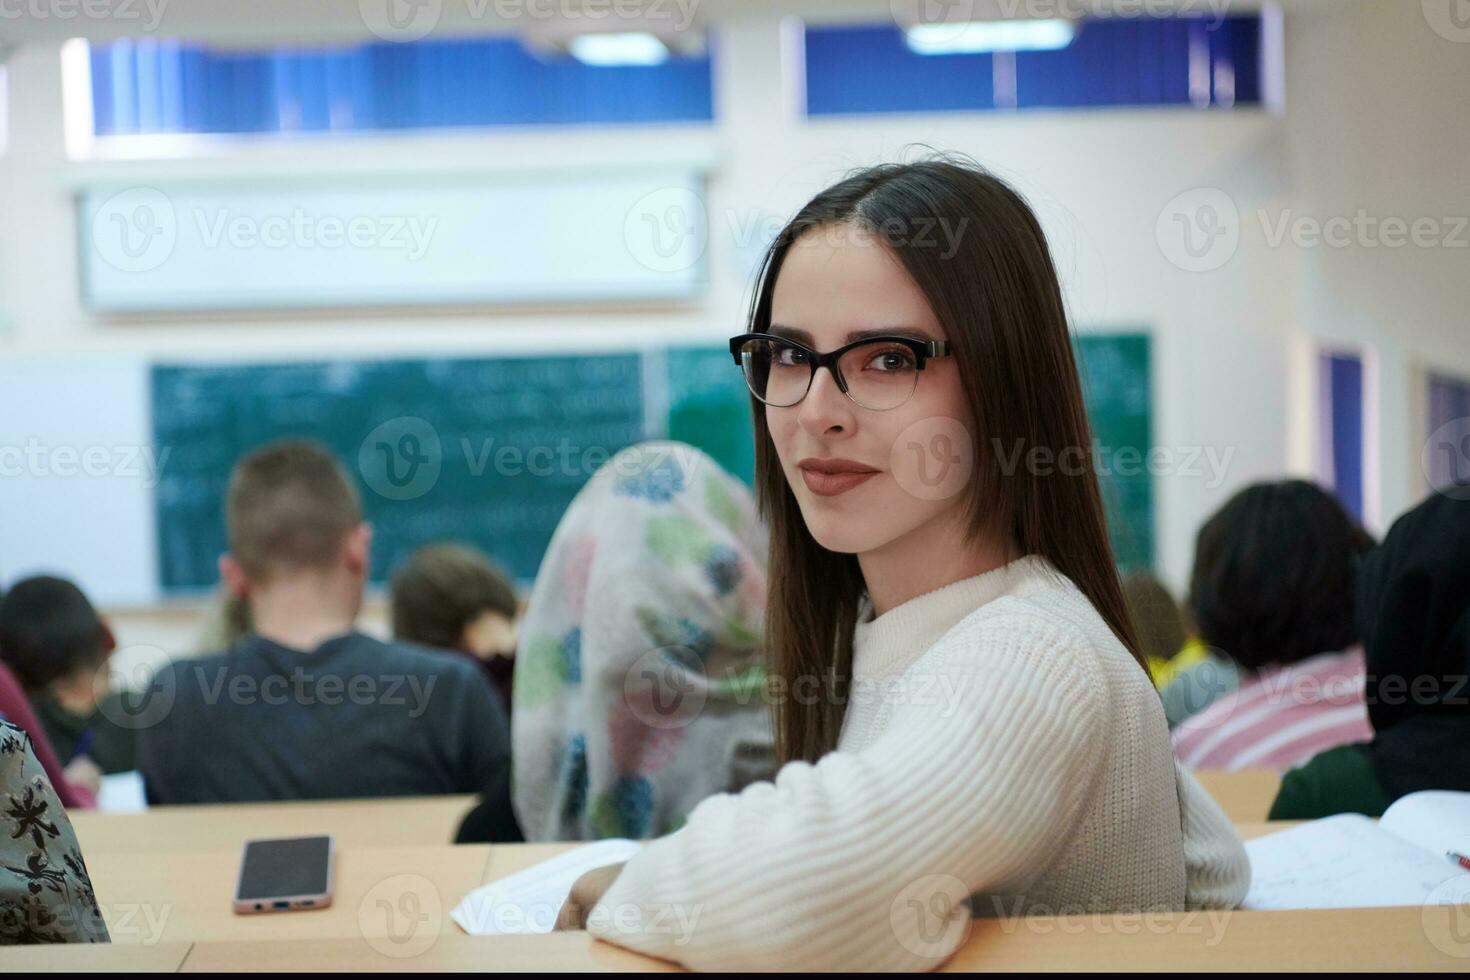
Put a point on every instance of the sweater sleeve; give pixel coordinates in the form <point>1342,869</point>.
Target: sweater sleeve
<point>1217,869</point>
<point>865,859</point>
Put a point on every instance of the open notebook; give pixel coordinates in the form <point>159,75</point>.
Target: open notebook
<point>1351,861</point>
<point>529,900</point>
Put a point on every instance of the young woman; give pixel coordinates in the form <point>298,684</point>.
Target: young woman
<point>962,712</point>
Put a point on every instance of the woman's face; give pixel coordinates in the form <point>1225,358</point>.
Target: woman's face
<point>838,281</point>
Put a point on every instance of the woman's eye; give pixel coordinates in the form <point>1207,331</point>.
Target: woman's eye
<point>789,356</point>
<point>892,359</point>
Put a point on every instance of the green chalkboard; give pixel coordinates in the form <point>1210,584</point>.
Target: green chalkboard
<point>1117,386</point>
<point>492,450</point>
<point>485,450</point>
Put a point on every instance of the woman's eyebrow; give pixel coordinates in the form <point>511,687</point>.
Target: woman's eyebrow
<point>790,333</point>
<point>912,332</point>
<point>802,337</point>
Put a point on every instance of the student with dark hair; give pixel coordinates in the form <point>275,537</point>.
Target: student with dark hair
<point>1162,634</point>
<point>15,708</point>
<point>306,706</point>
<point>1413,609</point>
<point>962,710</point>
<point>57,644</point>
<point>1272,594</point>
<point>46,894</point>
<point>452,597</point>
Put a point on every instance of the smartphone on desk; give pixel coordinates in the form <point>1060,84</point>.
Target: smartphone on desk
<point>285,874</point>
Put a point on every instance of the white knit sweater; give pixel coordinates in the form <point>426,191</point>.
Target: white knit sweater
<point>999,743</point>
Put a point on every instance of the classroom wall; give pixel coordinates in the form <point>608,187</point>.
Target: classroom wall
<point>1369,86</point>
<point>1378,121</point>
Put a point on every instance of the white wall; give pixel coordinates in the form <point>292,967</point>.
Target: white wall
<point>1376,119</point>
<point>1379,122</point>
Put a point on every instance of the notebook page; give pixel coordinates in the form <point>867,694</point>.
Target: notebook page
<point>1346,861</point>
<point>528,901</point>
<point>1436,820</point>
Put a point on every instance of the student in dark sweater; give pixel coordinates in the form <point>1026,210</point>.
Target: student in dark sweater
<point>307,707</point>
<point>1413,607</point>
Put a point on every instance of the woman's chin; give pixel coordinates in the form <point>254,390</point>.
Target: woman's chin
<point>841,536</point>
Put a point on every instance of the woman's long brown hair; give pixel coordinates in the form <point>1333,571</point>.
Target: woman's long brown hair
<point>977,252</point>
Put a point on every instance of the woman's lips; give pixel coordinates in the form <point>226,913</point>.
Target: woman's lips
<point>832,484</point>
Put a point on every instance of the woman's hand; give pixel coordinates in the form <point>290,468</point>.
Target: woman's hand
<point>586,892</point>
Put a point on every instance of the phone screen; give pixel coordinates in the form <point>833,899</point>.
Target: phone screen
<point>293,866</point>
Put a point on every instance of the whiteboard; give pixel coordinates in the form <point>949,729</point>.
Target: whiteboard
<point>77,472</point>
<point>191,244</point>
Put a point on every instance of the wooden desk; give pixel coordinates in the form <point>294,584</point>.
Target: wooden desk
<point>425,821</point>
<point>93,958</point>
<point>186,896</point>
<point>412,821</point>
<point>1335,940</point>
<point>392,905</point>
<point>150,897</point>
<point>1244,795</point>
<point>453,952</point>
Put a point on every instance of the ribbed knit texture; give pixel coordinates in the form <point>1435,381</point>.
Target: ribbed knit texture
<point>999,742</point>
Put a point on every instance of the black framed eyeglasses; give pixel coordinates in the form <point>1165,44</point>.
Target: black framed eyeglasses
<point>877,373</point>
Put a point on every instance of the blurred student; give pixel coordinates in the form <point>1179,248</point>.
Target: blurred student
<point>45,893</point>
<point>306,706</point>
<point>639,675</point>
<point>227,623</point>
<point>452,597</point>
<point>1272,593</point>
<point>963,717</point>
<point>1413,607</point>
<point>58,646</point>
<point>75,789</point>
<point>1160,622</point>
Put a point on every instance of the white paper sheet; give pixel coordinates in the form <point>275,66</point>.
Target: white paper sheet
<point>1348,861</point>
<point>122,792</point>
<point>1436,820</point>
<point>528,901</point>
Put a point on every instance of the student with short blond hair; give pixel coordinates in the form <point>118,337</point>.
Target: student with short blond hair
<point>306,706</point>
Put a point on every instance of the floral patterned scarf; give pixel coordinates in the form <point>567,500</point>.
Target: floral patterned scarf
<point>45,893</point>
<point>640,672</point>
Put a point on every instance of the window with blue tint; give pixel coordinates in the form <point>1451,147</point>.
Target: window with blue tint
<point>1447,454</point>
<point>871,69</point>
<point>1168,61</point>
<point>161,86</point>
<point>1341,391</point>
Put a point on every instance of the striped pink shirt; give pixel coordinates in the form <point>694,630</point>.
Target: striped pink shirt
<point>1280,718</point>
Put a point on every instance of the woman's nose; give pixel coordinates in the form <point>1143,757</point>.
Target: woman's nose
<point>825,407</point>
